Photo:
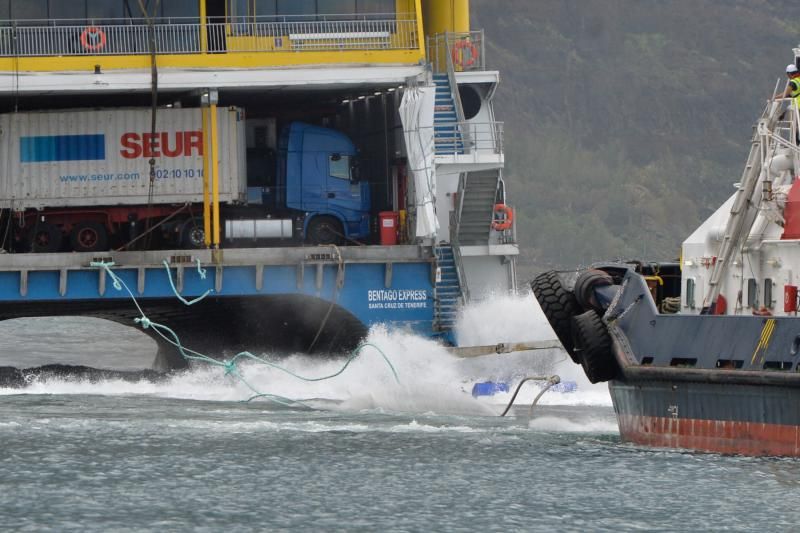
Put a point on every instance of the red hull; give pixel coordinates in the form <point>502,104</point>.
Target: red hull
<point>721,436</point>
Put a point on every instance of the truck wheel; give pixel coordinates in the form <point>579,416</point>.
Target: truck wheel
<point>89,236</point>
<point>193,234</point>
<point>45,238</point>
<point>324,230</point>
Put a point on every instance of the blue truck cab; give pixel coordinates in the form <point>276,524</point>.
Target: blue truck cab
<point>318,174</point>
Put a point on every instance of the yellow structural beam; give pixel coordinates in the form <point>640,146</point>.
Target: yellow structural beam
<point>211,61</point>
<point>206,181</point>
<point>445,16</point>
<point>214,177</point>
<point>203,32</point>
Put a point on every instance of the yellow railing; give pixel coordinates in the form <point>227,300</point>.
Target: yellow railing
<point>188,36</point>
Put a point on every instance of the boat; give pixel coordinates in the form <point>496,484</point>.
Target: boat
<point>296,171</point>
<point>703,353</point>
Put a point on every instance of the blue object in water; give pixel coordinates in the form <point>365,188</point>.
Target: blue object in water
<point>488,388</point>
<point>565,386</point>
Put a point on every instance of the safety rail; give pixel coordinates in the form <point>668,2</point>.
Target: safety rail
<point>31,38</point>
<point>786,132</point>
<point>455,244</point>
<point>483,137</point>
<point>465,50</point>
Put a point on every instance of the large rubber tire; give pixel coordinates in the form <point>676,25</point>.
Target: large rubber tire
<point>584,288</point>
<point>324,230</point>
<point>593,347</point>
<point>193,234</point>
<point>559,306</point>
<point>88,236</point>
<point>45,238</point>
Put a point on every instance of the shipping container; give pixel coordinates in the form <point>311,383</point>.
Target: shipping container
<point>87,158</point>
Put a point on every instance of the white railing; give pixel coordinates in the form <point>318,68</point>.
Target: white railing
<point>486,137</point>
<point>189,36</point>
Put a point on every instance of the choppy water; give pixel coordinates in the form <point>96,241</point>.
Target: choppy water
<point>368,454</point>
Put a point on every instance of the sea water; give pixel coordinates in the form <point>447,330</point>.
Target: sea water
<point>363,451</point>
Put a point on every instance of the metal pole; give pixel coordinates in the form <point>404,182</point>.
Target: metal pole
<point>206,183</point>
<point>203,31</point>
<point>214,176</point>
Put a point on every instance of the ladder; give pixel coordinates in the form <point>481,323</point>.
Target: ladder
<point>746,203</point>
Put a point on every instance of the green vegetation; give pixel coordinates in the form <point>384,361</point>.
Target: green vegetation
<point>628,121</point>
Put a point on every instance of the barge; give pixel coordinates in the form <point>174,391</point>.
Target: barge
<point>704,353</point>
<point>308,169</point>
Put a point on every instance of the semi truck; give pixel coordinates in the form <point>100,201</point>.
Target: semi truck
<point>81,181</point>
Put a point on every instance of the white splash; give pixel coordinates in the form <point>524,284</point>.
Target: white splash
<point>431,379</point>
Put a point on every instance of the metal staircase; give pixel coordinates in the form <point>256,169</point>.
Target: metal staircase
<point>447,290</point>
<point>478,195</point>
<point>447,135</point>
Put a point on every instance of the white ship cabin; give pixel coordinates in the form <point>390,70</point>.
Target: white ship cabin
<point>745,258</point>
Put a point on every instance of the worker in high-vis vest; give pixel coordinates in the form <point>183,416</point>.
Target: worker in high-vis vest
<point>793,86</point>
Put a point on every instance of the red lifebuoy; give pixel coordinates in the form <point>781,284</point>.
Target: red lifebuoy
<point>502,224</point>
<point>93,38</point>
<point>458,53</point>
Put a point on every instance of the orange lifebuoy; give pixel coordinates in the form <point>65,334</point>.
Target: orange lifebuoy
<point>507,221</point>
<point>93,38</point>
<point>458,53</point>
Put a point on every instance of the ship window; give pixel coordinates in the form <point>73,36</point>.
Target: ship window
<point>297,7</point>
<point>340,166</point>
<point>752,293</point>
<point>102,10</point>
<point>777,365</point>
<point>67,9</point>
<point>29,9</point>
<point>265,8</point>
<point>336,7</point>
<point>377,6</point>
<point>690,293</point>
<point>180,8</point>
<point>768,293</point>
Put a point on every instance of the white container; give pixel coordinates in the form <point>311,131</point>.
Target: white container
<point>101,157</point>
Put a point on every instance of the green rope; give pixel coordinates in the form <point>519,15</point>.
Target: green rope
<point>228,365</point>
<point>200,271</point>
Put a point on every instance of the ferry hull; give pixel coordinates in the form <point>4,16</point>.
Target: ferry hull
<point>715,417</point>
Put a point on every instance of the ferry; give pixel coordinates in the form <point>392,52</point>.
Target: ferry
<point>298,171</point>
<point>704,353</point>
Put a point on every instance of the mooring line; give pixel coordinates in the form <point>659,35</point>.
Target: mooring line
<point>229,365</point>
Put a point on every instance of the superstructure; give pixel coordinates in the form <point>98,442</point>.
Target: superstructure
<point>313,167</point>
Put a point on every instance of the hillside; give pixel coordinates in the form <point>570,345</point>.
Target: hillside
<point>627,121</point>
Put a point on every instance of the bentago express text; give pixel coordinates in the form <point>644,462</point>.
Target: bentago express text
<point>150,145</point>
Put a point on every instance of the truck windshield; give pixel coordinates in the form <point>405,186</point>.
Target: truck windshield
<point>339,166</point>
